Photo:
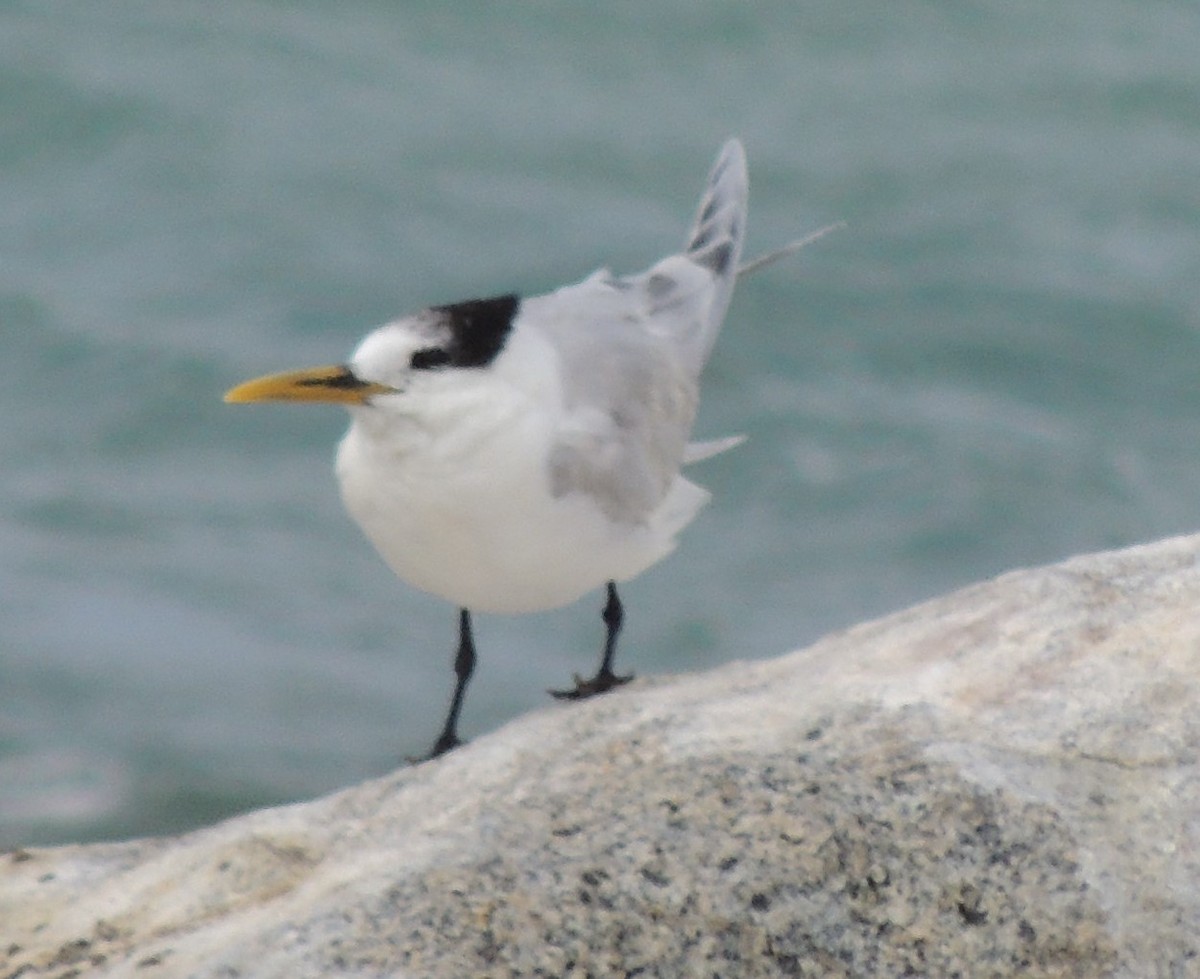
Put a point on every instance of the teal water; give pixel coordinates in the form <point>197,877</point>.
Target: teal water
<point>994,365</point>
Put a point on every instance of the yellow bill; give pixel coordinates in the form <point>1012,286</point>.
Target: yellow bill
<point>336,383</point>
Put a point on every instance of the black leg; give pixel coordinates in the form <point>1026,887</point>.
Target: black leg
<point>464,666</point>
<point>605,679</point>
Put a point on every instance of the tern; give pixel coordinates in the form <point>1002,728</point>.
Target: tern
<point>511,454</point>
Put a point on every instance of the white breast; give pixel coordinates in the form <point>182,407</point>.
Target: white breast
<point>454,487</point>
<point>489,536</point>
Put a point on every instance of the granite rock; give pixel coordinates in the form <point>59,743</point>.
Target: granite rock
<point>1000,782</point>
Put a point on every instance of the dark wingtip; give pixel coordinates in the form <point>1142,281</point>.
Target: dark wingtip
<point>717,259</point>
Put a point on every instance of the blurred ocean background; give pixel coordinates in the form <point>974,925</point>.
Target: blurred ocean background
<point>996,364</point>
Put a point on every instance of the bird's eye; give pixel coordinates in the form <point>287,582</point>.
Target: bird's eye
<point>428,359</point>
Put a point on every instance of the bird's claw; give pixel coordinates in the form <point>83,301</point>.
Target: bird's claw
<point>601,683</point>
<point>444,743</point>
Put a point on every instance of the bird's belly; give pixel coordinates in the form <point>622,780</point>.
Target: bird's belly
<point>491,538</point>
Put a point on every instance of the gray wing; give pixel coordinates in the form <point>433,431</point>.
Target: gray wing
<point>631,350</point>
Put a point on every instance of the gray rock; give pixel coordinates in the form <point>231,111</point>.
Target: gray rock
<point>1001,782</point>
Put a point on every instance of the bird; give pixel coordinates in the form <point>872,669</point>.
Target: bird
<point>510,455</point>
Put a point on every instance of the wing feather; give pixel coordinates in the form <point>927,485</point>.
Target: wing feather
<point>631,350</point>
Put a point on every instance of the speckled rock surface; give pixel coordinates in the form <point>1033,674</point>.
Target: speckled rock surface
<point>1001,782</point>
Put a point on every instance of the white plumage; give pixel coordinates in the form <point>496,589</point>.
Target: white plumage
<point>511,455</point>
<point>525,483</point>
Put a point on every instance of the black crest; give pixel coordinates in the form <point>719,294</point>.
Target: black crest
<point>478,329</point>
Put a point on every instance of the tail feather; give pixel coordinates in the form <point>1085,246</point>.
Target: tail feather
<point>763,261</point>
<point>699,451</point>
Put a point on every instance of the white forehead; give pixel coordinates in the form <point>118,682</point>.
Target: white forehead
<point>388,350</point>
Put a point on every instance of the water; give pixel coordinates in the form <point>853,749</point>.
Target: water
<point>995,365</point>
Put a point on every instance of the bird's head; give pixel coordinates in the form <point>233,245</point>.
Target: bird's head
<point>389,360</point>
